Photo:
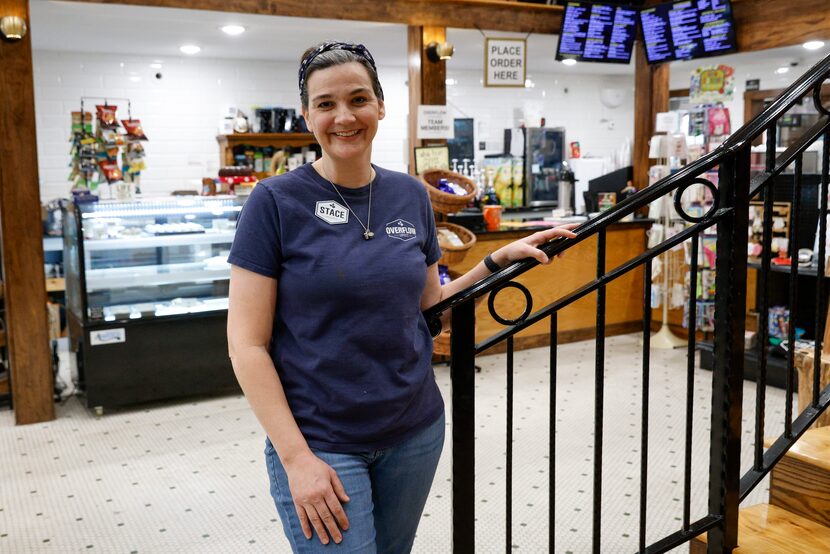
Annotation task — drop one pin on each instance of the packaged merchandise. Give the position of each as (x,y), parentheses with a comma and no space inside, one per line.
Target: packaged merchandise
(111,171)
(107,118)
(134,129)
(81,124)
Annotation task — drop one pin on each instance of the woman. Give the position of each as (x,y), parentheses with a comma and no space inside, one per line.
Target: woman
(338,370)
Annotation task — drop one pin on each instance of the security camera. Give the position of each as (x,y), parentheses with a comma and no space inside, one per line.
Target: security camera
(158,75)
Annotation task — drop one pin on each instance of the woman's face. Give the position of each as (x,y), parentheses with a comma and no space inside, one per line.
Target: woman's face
(343,111)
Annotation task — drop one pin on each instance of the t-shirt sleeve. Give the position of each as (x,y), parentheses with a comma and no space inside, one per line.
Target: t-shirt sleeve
(432,250)
(256,245)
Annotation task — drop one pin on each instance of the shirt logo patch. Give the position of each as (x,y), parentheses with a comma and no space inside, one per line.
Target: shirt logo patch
(331,212)
(400,229)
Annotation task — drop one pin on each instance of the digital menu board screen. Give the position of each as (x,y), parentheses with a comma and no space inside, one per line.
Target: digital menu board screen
(597,33)
(688,29)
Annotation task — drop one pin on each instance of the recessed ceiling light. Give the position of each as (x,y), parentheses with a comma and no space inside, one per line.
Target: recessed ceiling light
(156,66)
(569,61)
(190,49)
(135,79)
(233,30)
(451,82)
(813,44)
(783,69)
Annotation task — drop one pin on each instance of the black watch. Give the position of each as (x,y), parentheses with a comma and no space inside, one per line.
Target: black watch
(491,264)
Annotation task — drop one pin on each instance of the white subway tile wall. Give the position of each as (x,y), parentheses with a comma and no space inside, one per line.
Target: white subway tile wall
(566,101)
(180,112)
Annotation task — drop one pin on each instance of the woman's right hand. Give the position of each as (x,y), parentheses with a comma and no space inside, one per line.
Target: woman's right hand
(317,493)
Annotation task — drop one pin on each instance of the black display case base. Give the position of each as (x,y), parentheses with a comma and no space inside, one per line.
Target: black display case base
(158,359)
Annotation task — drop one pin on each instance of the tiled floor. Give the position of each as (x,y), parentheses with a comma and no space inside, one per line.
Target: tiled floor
(190,477)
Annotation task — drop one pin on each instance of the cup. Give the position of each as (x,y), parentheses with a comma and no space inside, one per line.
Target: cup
(492,217)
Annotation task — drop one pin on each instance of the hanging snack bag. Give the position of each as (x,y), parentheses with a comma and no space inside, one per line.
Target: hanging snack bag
(81,124)
(111,171)
(134,129)
(107,118)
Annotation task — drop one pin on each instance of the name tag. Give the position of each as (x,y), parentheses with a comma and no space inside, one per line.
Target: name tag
(331,212)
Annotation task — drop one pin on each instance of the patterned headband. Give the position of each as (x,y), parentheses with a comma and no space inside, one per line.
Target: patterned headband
(358,49)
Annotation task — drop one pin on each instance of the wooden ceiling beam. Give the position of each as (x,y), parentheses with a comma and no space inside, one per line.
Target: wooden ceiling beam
(497,15)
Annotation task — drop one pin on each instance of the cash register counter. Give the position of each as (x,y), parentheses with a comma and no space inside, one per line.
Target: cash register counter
(624,298)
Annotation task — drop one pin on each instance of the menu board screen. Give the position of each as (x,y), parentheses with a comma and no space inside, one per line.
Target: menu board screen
(597,32)
(688,29)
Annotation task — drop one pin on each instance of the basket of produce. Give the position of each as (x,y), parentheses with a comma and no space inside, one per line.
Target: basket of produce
(448,191)
(454,241)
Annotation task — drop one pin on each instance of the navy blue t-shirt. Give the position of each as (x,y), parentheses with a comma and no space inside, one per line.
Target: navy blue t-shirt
(350,344)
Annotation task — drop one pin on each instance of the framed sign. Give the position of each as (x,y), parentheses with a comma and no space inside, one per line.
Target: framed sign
(434,122)
(505,62)
(432,157)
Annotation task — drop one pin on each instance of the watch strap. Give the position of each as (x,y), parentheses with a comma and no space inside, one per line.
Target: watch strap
(491,264)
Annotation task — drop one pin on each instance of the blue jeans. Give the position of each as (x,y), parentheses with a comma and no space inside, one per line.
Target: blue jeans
(387,490)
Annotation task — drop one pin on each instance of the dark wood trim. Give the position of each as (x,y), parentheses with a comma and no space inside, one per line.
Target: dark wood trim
(764,24)
(679,93)
(497,15)
(651,85)
(21,240)
(427,81)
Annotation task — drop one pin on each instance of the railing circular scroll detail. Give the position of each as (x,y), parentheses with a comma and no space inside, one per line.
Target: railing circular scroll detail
(491,303)
(817,98)
(434,325)
(678,195)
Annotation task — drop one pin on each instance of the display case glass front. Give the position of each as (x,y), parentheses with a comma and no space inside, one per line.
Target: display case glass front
(149,258)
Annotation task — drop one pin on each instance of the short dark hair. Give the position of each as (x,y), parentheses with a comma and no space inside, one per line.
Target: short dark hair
(331,57)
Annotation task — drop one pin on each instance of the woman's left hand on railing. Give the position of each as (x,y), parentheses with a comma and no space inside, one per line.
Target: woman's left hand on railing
(527,247)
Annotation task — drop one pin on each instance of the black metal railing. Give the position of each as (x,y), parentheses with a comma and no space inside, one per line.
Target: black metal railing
(736,185)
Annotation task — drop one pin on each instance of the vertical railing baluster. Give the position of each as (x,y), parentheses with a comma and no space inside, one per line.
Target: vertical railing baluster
(793,300)
(554,342)
(727,374)
(690,383)
(508,509)
(771,140)
(462,376)
(644,421)
(822,242)
(763,324)
(599,393)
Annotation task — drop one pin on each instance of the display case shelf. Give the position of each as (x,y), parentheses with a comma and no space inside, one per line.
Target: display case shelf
(159,241)
(154,275)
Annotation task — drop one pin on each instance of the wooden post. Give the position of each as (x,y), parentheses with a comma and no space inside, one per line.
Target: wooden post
(651,96)
(427,80)
(21,231)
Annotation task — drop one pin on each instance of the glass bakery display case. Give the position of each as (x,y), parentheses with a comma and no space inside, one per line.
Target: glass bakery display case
(147,296)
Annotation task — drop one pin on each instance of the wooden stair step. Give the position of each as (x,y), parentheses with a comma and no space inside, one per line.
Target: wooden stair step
(800,482)
(768,529)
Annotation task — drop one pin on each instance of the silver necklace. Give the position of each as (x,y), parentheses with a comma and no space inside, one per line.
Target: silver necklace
(367,234)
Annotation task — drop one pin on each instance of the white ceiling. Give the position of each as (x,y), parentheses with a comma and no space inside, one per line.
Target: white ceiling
(138,30)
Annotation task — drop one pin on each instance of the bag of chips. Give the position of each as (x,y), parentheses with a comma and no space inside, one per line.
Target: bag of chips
(134,129)
(111,171)
(107,118)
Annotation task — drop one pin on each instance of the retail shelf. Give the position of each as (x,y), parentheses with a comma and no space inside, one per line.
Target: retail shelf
(809,271)
(153,275)
(159,241)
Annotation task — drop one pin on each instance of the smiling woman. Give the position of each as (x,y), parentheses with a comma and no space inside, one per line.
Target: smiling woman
(337,367)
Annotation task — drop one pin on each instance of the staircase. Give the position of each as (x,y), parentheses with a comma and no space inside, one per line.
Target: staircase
(797,518)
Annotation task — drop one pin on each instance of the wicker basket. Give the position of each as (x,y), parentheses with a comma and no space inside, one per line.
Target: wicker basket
(455,254)
(444,202)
